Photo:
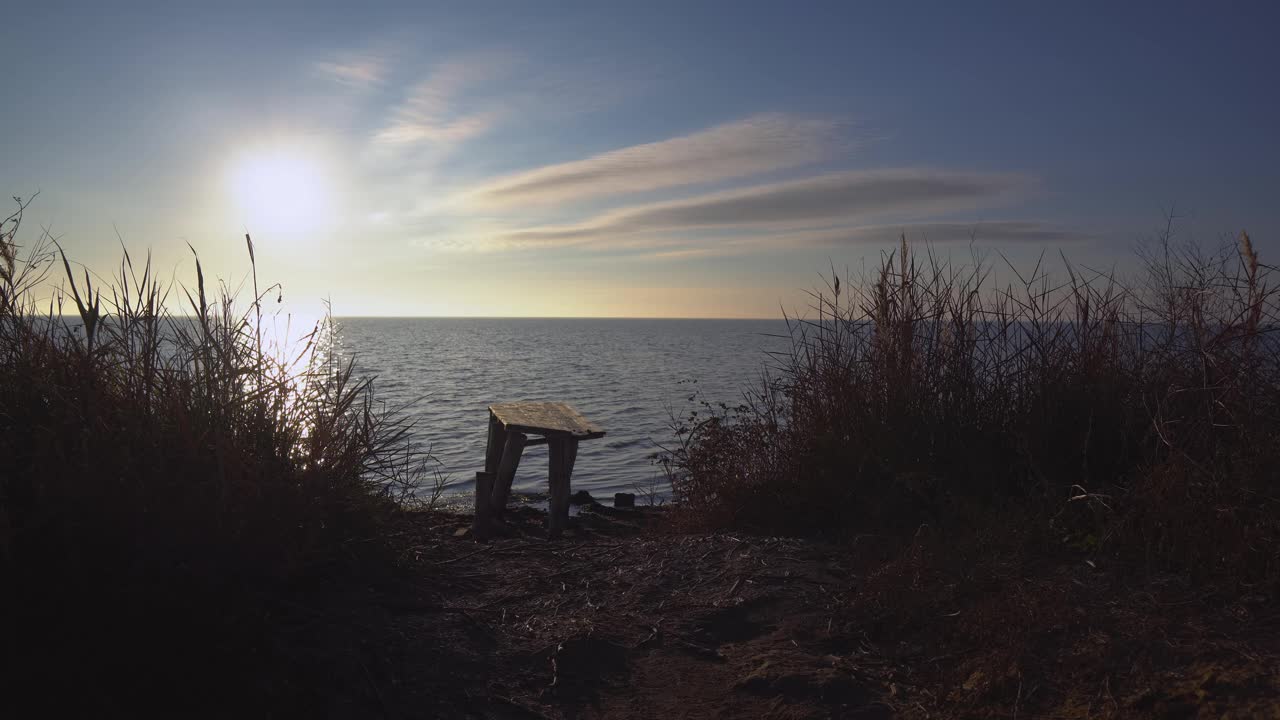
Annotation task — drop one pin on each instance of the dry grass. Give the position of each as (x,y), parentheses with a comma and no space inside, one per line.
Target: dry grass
(1107,415)
(168,480)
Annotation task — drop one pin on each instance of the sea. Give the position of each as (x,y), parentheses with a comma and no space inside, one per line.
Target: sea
(630,376)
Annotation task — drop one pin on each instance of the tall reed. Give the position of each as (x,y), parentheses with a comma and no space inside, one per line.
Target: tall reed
(1137,414)
(166,475)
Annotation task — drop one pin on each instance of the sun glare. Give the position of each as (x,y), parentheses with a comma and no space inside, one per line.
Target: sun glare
(280,192)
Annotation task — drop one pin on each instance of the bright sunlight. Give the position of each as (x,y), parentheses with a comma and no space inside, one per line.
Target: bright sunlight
(280,191)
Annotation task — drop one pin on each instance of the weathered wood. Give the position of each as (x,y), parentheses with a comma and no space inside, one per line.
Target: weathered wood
(482,523)
(511,452)
(570,456)
(497,440)
(557,469)
(561,428)
(544,418)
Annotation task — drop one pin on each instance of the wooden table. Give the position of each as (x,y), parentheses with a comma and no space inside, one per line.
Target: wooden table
(561,428)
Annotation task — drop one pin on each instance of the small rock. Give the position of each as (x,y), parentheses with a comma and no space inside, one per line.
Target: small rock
(582,497)
(624,500)
(461,532)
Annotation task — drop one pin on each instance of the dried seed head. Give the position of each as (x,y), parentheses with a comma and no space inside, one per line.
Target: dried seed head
(1246,251)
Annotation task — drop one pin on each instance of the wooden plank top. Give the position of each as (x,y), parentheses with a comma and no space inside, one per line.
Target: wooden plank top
(545,418)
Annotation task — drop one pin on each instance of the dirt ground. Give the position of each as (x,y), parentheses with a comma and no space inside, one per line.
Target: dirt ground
(626,618)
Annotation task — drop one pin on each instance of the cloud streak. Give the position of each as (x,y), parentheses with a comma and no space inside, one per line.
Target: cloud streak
(361,71)
(432,109)
(997,232)
(840,197)
(752,146)
(1004,232)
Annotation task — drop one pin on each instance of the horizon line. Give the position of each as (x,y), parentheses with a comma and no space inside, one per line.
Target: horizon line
(486,317)
(542,317)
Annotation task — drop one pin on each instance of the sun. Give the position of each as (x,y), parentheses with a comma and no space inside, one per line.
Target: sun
(280,191)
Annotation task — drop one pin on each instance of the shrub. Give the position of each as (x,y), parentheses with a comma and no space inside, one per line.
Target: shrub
(1110,414)
(167,479)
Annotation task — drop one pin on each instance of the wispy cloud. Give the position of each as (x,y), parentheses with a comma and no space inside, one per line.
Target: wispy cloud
(437,130)
(1004,232)
(435,110)
(986,232)
(356,70)
(841,197)
(752,146)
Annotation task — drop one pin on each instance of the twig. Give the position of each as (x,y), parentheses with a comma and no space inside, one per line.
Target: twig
(464,557)
(734,589)
(521,706)
(374,686)
(1017,699)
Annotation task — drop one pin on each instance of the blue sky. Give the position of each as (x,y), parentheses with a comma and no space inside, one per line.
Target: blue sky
(647,159)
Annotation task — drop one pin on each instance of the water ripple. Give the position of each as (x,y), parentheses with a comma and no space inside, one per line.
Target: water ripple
(626,375)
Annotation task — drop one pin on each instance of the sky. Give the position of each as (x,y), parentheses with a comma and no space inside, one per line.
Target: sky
(649,159)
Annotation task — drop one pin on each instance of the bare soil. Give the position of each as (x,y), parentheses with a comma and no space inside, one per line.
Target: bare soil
(627,618)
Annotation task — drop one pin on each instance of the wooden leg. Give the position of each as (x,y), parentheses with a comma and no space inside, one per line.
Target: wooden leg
(558,513)
(511,452)
(571,456)
(482,523)
(497,440)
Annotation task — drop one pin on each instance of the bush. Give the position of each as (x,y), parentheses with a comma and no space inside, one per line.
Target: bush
(1139,415)
(167,480)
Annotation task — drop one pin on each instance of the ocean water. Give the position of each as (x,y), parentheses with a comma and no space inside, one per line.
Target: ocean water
(625,375)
